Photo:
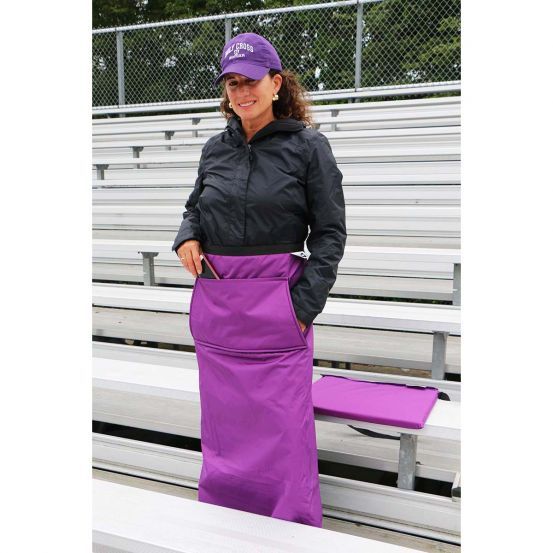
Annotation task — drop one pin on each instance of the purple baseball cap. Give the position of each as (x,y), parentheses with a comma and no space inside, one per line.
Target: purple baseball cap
(248,54)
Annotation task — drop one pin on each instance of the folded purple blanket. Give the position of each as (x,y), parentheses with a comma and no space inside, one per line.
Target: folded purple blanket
(382,403)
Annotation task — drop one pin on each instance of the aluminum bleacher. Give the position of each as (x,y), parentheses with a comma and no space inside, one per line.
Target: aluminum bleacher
(394,309)
(123,515)
(157,390)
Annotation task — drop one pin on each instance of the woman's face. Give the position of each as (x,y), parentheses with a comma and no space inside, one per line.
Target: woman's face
(242,90)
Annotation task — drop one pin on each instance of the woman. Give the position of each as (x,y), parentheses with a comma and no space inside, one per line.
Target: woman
(261,183)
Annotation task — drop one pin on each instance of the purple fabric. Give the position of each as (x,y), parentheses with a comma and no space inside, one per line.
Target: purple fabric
(378,402)
(255,373)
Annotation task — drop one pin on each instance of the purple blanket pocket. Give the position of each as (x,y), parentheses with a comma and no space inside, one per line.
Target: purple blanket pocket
(382,403)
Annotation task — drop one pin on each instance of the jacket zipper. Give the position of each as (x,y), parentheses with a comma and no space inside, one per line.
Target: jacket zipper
(247,183)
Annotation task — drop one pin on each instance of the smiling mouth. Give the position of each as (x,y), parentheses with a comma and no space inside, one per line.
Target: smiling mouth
(247,104)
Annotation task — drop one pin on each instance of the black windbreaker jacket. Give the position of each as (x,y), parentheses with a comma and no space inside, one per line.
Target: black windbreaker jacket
(259,198)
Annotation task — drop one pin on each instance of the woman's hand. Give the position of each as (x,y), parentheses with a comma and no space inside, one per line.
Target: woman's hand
(189,253)
(302,324)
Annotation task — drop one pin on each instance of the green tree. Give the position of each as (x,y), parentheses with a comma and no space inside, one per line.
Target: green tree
(404,41)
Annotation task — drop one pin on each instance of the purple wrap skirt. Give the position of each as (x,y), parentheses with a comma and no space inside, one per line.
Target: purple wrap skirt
(255,373)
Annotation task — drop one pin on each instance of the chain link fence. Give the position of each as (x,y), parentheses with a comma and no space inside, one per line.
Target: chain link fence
(335,46)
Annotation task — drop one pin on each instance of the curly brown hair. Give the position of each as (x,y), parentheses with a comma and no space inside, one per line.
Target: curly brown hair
(292,99)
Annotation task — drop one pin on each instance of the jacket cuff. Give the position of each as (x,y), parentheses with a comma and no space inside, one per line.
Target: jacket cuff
(180,241)
(303,316)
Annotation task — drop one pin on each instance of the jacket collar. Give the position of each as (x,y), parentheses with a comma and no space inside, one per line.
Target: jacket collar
(234,127)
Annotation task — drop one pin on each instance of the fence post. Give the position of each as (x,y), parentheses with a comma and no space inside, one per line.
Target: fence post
(120,70)
(358,46)
(228,28)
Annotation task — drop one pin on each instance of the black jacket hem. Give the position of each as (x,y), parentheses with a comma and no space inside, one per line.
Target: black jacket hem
(261,249)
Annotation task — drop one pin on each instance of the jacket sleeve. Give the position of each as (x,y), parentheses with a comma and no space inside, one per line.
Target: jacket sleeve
(190,224)
(327,237)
